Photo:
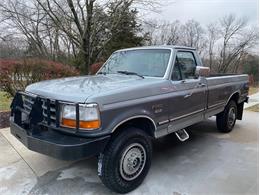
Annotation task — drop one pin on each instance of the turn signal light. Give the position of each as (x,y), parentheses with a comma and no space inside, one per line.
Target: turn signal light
(88,125)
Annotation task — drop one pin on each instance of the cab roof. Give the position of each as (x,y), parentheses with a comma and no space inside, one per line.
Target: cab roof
(160,47)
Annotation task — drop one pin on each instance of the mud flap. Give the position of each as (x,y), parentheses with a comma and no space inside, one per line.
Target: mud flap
(240,110)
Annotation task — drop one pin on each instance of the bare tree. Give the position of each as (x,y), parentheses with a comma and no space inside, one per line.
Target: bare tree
(236,39)
(11,46)
(84,22)
(192,35)
(21,17)
(163,32)
(27,19)
(170,33)
(212,37)
(80,28)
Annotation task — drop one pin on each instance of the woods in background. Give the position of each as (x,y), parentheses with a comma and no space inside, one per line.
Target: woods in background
(223,45)
(80,32)
(85,32)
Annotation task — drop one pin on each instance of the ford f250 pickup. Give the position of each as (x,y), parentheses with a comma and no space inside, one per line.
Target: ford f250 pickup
(139,94)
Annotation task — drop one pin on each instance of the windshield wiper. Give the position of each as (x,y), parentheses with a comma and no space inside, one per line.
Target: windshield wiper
(130,73)
(101,72)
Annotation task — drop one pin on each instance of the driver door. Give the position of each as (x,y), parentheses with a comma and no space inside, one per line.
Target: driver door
(188,98)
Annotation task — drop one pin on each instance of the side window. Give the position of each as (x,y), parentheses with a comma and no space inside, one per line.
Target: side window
(187,64)
(176,73)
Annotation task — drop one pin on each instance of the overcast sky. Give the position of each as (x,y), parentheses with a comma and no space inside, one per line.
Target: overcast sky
(207,11)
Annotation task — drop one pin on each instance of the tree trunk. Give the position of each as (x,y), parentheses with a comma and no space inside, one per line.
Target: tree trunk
(85,56)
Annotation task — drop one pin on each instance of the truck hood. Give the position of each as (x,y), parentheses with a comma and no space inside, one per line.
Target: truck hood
(79,89)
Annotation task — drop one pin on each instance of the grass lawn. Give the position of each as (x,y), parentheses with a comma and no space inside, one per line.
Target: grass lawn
(254,108)
(4,102)
(253,90)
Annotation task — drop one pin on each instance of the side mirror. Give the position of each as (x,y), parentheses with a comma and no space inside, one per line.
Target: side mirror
(202,71)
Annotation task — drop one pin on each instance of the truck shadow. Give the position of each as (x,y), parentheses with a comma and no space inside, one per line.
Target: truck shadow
(197,133)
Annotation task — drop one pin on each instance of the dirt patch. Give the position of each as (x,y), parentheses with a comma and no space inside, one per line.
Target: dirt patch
(253,90)
(254,108)
(4,119)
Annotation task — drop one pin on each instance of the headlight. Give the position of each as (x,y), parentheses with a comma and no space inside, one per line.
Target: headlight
(88,116)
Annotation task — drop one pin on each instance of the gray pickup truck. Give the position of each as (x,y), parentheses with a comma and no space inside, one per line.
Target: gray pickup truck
(139,94)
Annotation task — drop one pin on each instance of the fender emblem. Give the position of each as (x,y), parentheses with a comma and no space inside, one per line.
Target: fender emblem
(158,108)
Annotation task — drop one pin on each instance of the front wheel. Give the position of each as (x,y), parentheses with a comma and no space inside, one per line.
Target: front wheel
(126,161)
(226,120)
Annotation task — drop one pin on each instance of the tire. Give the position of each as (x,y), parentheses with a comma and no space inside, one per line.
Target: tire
(226,120)
(112,168)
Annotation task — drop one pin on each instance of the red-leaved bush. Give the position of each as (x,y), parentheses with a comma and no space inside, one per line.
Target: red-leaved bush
(95,67)
(17,74)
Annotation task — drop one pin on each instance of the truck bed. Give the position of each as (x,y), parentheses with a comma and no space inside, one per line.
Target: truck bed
(222,86)
(223,74)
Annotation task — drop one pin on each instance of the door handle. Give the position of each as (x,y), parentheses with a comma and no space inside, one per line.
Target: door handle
(187,95)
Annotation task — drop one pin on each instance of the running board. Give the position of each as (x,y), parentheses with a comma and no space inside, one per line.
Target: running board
(182,135)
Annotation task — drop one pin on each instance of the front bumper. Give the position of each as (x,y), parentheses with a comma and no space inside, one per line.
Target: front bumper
(58,145)
(41,133)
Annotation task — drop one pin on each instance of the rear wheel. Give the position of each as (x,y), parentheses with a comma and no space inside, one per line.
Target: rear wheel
(126,161)
(226,120)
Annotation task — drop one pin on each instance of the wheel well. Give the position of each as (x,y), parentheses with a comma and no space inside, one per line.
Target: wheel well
(235,97)
(142,123)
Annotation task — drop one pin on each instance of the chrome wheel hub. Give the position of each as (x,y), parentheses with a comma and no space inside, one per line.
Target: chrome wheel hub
(231,117)
(132,161)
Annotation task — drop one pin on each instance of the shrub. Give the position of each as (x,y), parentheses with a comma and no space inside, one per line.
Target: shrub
(17,74)
(95,67)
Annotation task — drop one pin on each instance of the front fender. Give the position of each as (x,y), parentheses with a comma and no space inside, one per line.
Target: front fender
(113,118)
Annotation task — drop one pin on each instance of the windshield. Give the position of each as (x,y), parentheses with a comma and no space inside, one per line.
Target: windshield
(144,62)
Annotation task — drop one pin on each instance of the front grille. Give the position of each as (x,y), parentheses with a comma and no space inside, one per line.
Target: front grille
(28,102)
(48,114)
(29,109)
(49,111)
